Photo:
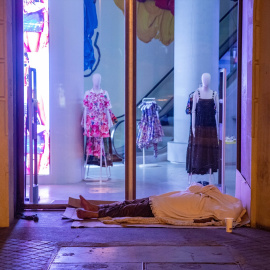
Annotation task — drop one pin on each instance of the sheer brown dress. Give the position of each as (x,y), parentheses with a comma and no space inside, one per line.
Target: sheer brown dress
(203,150)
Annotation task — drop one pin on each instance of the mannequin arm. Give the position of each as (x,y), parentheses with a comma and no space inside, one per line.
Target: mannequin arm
(217,113)
(195,100)
(85,100)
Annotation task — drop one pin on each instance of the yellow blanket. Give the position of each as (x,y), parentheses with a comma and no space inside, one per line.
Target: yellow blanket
(197,202)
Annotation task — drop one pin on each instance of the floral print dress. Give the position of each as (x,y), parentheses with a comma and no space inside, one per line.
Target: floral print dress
(97,120)
(149,128)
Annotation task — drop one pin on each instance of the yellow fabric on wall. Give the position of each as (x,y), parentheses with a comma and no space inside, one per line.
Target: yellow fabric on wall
(152,22)
(166,29)
(120,4)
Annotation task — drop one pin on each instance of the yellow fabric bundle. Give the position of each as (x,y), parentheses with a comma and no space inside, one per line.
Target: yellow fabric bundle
(152,22)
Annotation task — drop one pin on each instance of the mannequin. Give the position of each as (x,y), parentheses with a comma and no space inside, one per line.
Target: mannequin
(97,122)
(203,141)
(205,93)
(96,82)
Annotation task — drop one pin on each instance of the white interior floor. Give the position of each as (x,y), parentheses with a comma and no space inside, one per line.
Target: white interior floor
(164,177)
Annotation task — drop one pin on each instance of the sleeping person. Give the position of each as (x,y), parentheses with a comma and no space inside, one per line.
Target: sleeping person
(198,204)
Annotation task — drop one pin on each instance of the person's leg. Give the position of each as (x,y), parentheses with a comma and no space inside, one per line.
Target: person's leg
(84,214)
(87,205)
(135,208)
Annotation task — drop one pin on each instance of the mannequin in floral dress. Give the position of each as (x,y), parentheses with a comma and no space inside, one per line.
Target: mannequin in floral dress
(97,120)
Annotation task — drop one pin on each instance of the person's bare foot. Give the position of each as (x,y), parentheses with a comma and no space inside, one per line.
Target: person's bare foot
(87,205)
(86,214)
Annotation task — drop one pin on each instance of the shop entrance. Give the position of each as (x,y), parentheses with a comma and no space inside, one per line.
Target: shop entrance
(74,98)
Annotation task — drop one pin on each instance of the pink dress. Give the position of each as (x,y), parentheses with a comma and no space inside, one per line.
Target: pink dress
(97,119)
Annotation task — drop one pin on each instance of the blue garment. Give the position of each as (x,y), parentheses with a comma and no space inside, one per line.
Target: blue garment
(90,24)
(33,22)
(149,128)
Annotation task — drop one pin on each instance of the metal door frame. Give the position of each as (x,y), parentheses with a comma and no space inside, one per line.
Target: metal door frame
(130,101)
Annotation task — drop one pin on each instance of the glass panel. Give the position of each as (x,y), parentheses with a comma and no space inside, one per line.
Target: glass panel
(83,95)
(36,95)
(155,99)
(228,60)
(169,71)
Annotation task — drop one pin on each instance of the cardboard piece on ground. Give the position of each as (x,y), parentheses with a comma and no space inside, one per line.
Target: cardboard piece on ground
(94,223)
(98,224)
(70,213)
(72,202)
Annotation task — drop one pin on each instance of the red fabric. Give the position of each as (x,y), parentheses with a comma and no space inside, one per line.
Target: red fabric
(165,4)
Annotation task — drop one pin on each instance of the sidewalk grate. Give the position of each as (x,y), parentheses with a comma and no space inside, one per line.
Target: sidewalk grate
(25,254)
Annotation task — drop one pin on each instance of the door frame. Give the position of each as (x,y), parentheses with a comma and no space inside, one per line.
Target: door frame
(130,102)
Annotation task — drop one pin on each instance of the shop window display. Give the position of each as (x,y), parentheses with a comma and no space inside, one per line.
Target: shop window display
(82,130)
(36,40)
(97,121)
(203,150)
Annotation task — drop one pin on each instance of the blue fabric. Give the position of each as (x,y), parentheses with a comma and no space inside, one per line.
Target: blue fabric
(33,22)
(90,24)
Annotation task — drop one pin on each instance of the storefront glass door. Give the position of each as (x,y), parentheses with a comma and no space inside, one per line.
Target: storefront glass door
(182,47)
(74,98)
(78,64)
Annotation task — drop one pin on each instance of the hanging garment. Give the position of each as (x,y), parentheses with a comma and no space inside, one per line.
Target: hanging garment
(152,21)
(150,130)
(92,150)
(90,24)
(189,111)
(33,16)
(203,149)
(113,117)
(97,120)
(165,4)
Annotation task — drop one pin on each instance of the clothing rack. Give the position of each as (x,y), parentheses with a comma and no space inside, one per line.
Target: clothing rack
(150,100)
(147,100)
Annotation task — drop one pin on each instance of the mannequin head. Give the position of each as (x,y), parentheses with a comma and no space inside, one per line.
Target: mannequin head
(206,79)
(96,81)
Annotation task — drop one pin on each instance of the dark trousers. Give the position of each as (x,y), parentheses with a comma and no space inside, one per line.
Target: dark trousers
(135,208)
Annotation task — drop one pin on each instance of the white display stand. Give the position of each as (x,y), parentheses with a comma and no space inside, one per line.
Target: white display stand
(143,165)
(100,177)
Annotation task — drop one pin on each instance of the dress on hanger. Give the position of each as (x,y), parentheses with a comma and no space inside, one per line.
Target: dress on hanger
(189,111)
(203,150)
(149,128)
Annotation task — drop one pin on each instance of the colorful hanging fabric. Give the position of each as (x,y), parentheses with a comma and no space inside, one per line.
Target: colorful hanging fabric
(97,120)
(152,21)
(90,24)
(150,131)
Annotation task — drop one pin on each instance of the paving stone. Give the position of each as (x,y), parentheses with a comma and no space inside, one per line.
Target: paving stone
(217,254)
(25,254)
(178,266)
(97,266)
(250,247)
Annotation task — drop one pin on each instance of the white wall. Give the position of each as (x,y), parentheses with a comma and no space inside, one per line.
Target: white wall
(154,59)
(66,68)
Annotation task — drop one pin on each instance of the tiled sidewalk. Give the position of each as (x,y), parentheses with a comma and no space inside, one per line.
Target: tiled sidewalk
(29,245)
(25,254)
